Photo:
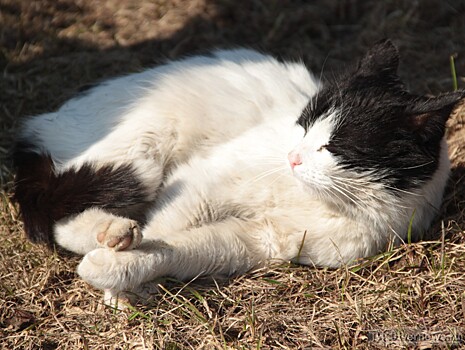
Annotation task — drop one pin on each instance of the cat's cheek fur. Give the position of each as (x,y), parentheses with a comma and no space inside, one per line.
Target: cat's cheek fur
(432,192)
(317,164)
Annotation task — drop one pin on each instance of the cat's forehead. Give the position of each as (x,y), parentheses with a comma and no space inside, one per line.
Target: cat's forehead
(319,133)
(368,90)
(358,100)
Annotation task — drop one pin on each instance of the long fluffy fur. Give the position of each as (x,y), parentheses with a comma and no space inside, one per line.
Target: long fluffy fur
(204,141)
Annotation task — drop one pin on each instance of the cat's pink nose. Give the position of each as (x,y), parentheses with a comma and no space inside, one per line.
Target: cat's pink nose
(294,159)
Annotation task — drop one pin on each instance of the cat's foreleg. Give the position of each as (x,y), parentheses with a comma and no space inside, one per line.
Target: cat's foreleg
(226,248)
(95,228)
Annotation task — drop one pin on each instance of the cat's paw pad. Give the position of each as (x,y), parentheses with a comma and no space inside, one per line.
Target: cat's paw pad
(118,234)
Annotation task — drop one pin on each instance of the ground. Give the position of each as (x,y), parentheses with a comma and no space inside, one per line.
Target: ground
(414,295)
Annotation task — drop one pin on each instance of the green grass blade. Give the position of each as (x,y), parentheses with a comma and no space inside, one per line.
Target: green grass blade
(409,231)
(453,72)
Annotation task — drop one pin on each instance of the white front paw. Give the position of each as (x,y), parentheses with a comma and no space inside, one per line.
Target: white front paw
(118,233)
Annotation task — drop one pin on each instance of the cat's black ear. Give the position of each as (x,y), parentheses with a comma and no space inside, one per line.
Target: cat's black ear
(381,59)
(429,115)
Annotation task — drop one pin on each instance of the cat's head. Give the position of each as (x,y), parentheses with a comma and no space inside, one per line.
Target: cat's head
(365,132)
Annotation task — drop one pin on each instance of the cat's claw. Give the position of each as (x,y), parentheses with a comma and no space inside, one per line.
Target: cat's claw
(118,234)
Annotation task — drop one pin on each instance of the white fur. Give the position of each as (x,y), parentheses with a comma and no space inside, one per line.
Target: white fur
(214,133)
(79,233)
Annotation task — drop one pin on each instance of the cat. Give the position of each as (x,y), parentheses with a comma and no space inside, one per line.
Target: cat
(216,164)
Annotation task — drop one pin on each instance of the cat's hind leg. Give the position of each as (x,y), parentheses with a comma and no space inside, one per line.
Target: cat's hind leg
(222,248)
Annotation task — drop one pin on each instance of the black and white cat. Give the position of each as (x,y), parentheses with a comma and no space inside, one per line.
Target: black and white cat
(216,164)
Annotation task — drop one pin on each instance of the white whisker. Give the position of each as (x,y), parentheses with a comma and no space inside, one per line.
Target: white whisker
(276,179)
(319,81)
(343,192)
(416,166)
(264,163)
(402,191)
(329,193)
(265,174)
(356,188)
(369,194)
(365,183)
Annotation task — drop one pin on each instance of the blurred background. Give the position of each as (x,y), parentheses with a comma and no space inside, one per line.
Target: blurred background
(49,48)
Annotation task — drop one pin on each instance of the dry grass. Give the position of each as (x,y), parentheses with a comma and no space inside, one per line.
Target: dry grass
(49,48)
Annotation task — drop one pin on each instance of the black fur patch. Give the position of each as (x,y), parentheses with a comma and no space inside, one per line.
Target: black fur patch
(382,128)
(45,197)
